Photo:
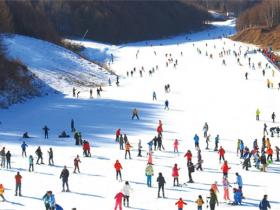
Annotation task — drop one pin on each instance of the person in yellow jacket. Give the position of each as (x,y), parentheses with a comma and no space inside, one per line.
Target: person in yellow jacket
(127,149)
(2,189)
(258,114)
(199,202)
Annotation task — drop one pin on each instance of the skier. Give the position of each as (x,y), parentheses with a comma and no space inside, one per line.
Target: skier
(50,152)
(23,149)
(265,129)
(273,116)
(264,204)
(246,75)
(226,188)
(237,196)
(118,133)
(149,171)
(199,161)
(239,182)
(118,168)
(217,139)
(213,200)
(121,141)
(18,178)
(31,163)
(119,196)
(46,131)
(135,114)
(74,92)
(76,164)
(215,188)
(139,148)
(3,157)
(39,154)
(161,182)
(199,202)
(258,115)
(90,93)
(154,96)
(8,158)
(166,105)
(175,175)
(159,128)
(180,204)
(2,190)
(221,154)
(277,150)
(207,141)
(190,171)
(64,176)
(45,198)
(176,143)
(126,190)
(189,156)
(127,149)
(225,169)
(150,158)
(196,141)
(205,129)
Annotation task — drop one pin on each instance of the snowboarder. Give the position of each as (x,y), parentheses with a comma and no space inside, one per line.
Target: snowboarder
(39,154)
(149,171)
(18,178)
(31,163)
(46,131)
(23,149)
(135,114)
(76,164)
(50,152)
(126,190)
(118,168)
(180,204)
(264,204)
(119,196)
(65,176)
(175,175)
(161,182)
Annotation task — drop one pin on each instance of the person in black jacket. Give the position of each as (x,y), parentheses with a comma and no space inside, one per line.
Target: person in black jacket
(64,176)
(264,204)
(161,182)
(39,154)
(46,131)
(8,158)
(190,171)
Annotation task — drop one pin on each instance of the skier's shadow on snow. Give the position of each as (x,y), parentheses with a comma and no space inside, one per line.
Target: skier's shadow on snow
(22,169)
(137,208)
(100,157)
(274,202)
(86,194)
(30,197)
(14,203)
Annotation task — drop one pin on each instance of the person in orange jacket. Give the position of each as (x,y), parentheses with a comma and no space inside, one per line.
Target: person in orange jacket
(2,190)
(225,168)
(269,153)
(119,196)
(180,204)
(118,168)
(127,149)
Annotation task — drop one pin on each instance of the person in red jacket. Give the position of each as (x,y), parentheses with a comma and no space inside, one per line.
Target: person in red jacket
(221,153)
(189,156)
(86,149)
(175,174)
(119,196)
(118,133)
(180,204)
(176,144)
(159,128)
(118,168)
(76,164)
(18,178)
(225,169)
(269,153)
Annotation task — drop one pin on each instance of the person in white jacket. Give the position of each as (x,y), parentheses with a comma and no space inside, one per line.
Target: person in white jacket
(126,190)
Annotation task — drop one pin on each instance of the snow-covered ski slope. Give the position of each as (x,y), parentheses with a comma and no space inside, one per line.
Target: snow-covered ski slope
(202,90)
(58,67)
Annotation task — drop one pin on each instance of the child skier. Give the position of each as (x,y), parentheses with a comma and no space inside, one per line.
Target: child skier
(180,204)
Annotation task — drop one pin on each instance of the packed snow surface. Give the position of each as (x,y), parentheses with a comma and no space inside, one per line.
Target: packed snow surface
(202,90)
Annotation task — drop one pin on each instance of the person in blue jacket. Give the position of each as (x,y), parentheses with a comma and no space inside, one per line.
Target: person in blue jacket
(23,148)
(51,200)
(264,204)
(58,207)
(196,141)
(239,182)
(237,196)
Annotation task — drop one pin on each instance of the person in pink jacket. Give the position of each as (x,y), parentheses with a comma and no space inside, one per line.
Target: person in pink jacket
(175,174)
(176,143)
(150,158)
(119,196)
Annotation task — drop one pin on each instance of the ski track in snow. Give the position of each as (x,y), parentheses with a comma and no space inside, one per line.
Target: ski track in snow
(202,89)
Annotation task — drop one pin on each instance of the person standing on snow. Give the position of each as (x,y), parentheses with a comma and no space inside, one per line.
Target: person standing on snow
(73,125)
(205,129)
(226,189)
(199,202)
(159,128)
(118,168)
(166,105)
(189,156)
(180,204)
(196,141)
(221,154)
(126,190)
(18,178)
(161,183)
(8,158)
(239,182)
(139,149)
(119,196)
(154,96)
(273,116)
(217,140)
(265,129)
(45,198)
(176,144)
(199,161)
(65,176)
(225,168)
(76,164)
(207,141)
(213,200)
(264,204)
(190,171)
(135,114)
(3,157)
(258,115)
(127,150)
(149,171)
(31,163)
(46,131)
(175,175)
(39,154)
(23,149)
(2,190)
(50,152)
